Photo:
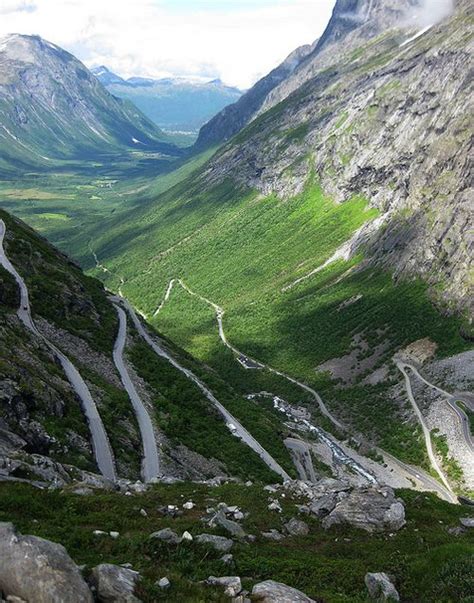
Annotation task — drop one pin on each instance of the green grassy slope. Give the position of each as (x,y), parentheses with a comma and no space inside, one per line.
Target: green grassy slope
(426,562)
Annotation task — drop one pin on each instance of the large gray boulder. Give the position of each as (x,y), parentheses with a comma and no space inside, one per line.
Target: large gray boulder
(114,584)
(220,543)
(38,570)
(234,529)
(296,527)
(368,508)
(380,587)
(166,535)
(276,592)
(231,584)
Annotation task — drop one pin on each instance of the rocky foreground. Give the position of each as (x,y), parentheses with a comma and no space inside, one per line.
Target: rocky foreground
(186,542)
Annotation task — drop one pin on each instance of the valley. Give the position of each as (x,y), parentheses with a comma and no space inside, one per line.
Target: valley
(261,342)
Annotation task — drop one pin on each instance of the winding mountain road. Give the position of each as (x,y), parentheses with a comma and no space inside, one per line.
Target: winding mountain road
(244,435)
(402,366)
(244,358)
(451,400)
(151,461)
(100,442)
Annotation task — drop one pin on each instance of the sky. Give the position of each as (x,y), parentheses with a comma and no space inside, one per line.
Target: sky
(237,41)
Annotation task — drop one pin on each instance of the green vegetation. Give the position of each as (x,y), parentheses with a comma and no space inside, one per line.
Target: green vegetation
(428,564)
(450,465)
(187,417)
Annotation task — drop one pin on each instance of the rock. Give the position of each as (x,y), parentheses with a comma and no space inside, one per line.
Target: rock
(381,588)
(166,535)
(114,584)
(371,509)
(467,522)
(220,543)
(187,536)
(273,535)
(238,515)
(276,592)
(164,583)
(324,505)
(82,491)
(38,570)
(143,513)
(13,599)
(114,535)
(230,526)
(296,527)
(231,584)
(249,483)
(99,533)
(188,506)
(227,559)
(275,506)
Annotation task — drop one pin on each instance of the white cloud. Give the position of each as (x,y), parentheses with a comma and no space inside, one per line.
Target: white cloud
(237,41)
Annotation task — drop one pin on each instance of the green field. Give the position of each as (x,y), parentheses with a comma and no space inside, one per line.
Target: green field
(426,562)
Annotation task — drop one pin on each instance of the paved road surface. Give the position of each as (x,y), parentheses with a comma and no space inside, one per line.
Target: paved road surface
(244,435)
(100,443)
(151,462)
(402,366)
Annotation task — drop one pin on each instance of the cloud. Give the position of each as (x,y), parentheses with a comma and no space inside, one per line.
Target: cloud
(14,6)
(236,41)
(429,12)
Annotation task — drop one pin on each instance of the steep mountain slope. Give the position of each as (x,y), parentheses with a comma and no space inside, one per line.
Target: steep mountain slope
(69,348)
(353,23)
(177,105)
(234,117)
(310,230)
(52,108)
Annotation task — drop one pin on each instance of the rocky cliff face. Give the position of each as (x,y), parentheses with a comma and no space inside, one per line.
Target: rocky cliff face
(388,120)
(52,107)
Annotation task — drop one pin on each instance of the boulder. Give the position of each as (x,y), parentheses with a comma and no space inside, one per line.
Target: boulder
(381,588)
(231,584)
(234,529)
(38,570)
(220,543)
(368,508)
(296,527)
(276,592)
(273,535)
(164,583)
(114,584)
(166,535)
(467,522)
(324,505)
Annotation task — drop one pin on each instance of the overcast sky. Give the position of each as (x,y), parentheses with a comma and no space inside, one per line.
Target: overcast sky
(236,40)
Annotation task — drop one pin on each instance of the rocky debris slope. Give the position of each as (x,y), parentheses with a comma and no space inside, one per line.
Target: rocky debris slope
(388,122)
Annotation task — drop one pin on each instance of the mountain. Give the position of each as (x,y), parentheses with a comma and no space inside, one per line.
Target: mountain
(234,117)
(352,23)
(177,105)
(51,107)
(105,76)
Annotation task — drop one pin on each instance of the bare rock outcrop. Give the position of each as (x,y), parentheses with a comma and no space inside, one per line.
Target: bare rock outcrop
(38,570)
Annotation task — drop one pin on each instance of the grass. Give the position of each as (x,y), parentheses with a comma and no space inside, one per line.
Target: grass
(427,563)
